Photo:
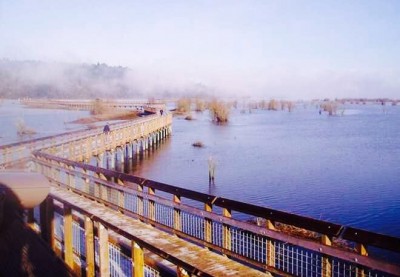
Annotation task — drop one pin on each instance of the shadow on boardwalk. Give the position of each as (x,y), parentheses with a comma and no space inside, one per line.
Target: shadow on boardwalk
(22,251)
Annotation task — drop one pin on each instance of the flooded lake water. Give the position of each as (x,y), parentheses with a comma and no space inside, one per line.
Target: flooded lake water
(45,122)
(344,169)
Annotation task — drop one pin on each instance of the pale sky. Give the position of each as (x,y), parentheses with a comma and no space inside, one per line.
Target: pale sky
(286,49)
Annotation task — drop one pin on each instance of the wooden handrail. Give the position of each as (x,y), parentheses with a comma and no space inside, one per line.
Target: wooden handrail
(322,227)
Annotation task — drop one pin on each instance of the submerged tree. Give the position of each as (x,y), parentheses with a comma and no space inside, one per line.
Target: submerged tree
(273,105)
(200,105)
(183,105)
(330,106)
(22,129)
(219,111)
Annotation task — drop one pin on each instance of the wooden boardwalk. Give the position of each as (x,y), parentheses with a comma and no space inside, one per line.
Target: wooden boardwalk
(203,261)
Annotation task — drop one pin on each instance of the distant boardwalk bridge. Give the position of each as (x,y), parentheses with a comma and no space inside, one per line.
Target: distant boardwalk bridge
(88,105)
(107,223)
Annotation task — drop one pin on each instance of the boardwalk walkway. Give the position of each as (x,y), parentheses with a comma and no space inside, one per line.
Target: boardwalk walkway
(202,261)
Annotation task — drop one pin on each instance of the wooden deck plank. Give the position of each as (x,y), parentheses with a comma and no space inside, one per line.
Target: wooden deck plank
(204,260)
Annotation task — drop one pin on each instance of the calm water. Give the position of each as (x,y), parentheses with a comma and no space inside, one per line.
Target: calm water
(45,122)
(344,169)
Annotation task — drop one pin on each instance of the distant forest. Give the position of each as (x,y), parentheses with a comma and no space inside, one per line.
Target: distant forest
(34,79)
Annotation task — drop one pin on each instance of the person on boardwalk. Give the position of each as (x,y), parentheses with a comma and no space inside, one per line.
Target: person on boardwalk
(106,129)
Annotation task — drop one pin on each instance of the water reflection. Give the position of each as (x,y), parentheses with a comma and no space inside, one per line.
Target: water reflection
(343,169)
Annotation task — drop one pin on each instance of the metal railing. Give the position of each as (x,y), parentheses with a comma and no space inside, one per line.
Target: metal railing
(266,247)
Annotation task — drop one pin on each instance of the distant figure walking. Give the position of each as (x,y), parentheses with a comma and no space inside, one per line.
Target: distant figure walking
(106,129)
(161,112)
(211,169)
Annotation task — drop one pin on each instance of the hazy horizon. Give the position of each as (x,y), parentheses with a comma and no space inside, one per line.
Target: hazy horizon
(271,49)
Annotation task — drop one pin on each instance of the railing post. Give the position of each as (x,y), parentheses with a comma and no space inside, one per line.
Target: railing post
(138,260)
(46,221)
(177,214)
(181,272)
(362,250)
(112,160)
(71,150)
(226,232)
(103,251)
(87,181)
(103,147)
(102,190)
(80,147)
(139,200)
(89,243)
(88,148)
(97,187)
(151,208)
(326,264)
(138,147)
(208,224)
(71,178)
(121,197)
(68,237)
(270,245)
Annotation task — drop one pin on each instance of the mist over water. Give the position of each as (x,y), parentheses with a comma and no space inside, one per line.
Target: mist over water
(344,169)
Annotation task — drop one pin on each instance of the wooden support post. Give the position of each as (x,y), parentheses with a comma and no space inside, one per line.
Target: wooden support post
(71,151)
(81,144)
(140,201)
(226,239)
(138,260)
(362,250)
(87,181)
(99,161)
(122,154)
(89,143)
(151,208)
(71,178)
(326,264)
(181,272)
(68,236)
(138,147)
(103,138)
(270,245)
(103,251)
(131,150)
(46,221)
(177,214)
(208,224)
(112,162)
(89,243)
(121,196)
